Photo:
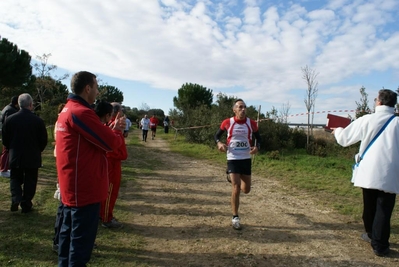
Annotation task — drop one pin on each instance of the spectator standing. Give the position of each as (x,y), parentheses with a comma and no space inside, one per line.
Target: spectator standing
(239,148)
(115,175)
(81,146)
(128,125)
(377,170)
(153,125)
(4,159)
(145,126)
(59,217)
(9,109)
(25,136)
(166,124)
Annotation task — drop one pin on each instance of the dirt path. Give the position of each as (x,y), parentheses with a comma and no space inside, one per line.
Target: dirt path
(183,213)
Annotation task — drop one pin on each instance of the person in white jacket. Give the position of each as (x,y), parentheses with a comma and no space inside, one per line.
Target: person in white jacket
(378,171)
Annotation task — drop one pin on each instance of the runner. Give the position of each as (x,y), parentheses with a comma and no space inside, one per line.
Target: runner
(153,125)
(145,124)
(239,150)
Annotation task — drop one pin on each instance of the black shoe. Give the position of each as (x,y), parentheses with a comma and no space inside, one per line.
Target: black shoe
(382,253)
(26,210)
(14,207)
(112,224)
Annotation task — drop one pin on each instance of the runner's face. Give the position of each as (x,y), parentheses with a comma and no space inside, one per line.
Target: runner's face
(239,110)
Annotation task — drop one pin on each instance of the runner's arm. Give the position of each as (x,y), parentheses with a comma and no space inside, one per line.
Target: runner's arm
(218,135)
(257,137)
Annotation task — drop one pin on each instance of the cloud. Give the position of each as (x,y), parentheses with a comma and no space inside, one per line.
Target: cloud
(256,46)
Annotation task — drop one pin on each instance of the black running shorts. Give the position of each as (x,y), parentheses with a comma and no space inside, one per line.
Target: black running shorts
(241,166)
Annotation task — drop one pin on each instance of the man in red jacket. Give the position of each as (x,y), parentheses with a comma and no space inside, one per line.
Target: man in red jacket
(115,175)
(81,146)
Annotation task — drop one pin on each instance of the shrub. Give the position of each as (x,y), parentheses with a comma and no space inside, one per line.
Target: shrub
(275,155)
(298,138)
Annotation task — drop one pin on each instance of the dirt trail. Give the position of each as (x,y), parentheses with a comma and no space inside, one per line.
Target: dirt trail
(183,213)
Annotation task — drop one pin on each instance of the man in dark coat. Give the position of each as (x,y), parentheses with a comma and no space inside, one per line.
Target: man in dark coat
(7,111)
(25,136)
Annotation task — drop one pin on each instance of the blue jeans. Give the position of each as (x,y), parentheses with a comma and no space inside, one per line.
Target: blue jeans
(77,235)
(58,223)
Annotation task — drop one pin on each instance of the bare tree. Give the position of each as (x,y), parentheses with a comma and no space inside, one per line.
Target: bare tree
(310,75)
(284,112)
(144,107)
(45,81)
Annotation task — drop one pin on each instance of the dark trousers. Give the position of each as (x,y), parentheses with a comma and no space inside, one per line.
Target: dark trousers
(23,183)
(145,132)
(58,223)
(166,129)
(77,235)
(377,211)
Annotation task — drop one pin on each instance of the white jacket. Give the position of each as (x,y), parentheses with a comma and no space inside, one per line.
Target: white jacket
(379,168)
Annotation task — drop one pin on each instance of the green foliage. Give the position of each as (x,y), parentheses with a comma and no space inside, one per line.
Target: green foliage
(318,147)
(15,70)
(49,91)
(191,96)
(274,136)
(49,88)
(157,112)
(131,113)
(48,113)
(298,138)
(201,116)
(224,101)
(274,155)
(110,93)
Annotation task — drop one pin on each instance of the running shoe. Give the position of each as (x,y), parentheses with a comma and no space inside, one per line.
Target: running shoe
(235,222)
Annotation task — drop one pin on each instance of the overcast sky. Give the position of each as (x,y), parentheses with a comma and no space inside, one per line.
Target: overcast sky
(251,49)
